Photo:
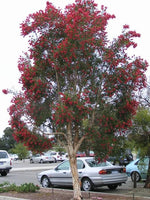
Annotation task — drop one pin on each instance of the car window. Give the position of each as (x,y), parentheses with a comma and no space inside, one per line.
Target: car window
(80,164)
(136,163)
(37,155)
(3,155)
(144,161)
(46,154)
(143,164)
(61,153)
(94,163)
(53,153)
(64,166)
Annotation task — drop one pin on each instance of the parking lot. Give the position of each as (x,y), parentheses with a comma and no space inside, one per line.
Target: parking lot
(24,172)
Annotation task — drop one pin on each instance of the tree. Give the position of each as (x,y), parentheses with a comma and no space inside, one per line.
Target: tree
(7,142)
(21,151)
(76,84)
(140,136)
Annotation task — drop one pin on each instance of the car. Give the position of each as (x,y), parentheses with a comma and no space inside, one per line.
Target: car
(91,174)
(91,153)
(14,156)
(42,158)
(138,169)
(80,154)
(123,159)
(5,163)
(58,156)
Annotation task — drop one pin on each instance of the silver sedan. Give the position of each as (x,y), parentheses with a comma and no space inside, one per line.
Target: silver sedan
(42,158)
(91,174)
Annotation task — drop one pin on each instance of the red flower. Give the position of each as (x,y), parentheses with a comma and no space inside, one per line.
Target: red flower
(126,26)
(5,91)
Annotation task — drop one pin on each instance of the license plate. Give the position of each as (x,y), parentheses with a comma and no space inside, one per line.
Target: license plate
(1,163)
(114,172)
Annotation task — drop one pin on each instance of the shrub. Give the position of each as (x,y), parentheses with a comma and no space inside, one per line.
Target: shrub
(26,187)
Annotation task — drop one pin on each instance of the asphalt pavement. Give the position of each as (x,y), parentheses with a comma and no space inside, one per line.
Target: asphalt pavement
(25,165)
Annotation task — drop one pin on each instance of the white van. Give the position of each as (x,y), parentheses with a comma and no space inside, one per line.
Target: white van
(58,156)
(5,163)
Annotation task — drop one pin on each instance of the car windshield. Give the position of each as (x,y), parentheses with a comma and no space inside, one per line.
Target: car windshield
(95,163)
(3,155)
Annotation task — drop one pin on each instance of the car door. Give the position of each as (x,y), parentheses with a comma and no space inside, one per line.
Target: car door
(143,167)
(81,168)
(62,175)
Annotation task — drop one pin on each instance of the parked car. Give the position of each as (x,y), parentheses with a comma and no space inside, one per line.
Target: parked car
(14,156)
(58,156)
(5,163)
(122,160)
(42,158)
(80,154)
(91,153)
(91,174)
(138,169)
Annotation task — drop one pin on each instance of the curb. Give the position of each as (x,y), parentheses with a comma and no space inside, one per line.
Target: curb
(10,198)
(31,168)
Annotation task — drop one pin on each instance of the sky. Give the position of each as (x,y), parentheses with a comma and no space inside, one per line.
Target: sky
(134,13)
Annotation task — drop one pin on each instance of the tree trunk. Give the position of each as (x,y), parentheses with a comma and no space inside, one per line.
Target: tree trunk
(75,178)
(147,183)
(73,164)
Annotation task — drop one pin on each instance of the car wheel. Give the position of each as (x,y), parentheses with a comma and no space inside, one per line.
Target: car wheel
(112,187)
(45,182)
(31,161)
(87,184)
(41,161)
(136,176)
(3,173)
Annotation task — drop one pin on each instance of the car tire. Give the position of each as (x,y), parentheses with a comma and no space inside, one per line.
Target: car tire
(45,182)
(113,186)
(4,173)
(41,161)
(87,184)
(31,161)
(135,175)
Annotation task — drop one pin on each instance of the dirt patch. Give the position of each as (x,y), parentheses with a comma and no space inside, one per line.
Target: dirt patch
(57,194)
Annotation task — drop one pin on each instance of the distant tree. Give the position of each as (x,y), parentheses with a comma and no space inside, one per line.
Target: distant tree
(71,74)
(2,145)
(140,136)
(59,148)
(7,141)
(21,151)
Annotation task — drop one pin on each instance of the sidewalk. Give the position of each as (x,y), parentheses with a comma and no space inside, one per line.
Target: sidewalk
(31,168)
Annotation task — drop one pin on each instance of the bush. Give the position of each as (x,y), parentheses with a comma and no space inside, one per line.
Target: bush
(26,187)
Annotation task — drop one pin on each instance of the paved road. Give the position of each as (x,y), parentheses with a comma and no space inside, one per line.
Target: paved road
(24,172)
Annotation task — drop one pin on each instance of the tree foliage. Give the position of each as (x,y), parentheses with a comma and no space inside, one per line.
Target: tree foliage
(140,136)
(73,74)
(7,142)
(21,151)
(141,131)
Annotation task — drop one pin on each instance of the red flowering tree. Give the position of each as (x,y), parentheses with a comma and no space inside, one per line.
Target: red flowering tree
(75,81)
